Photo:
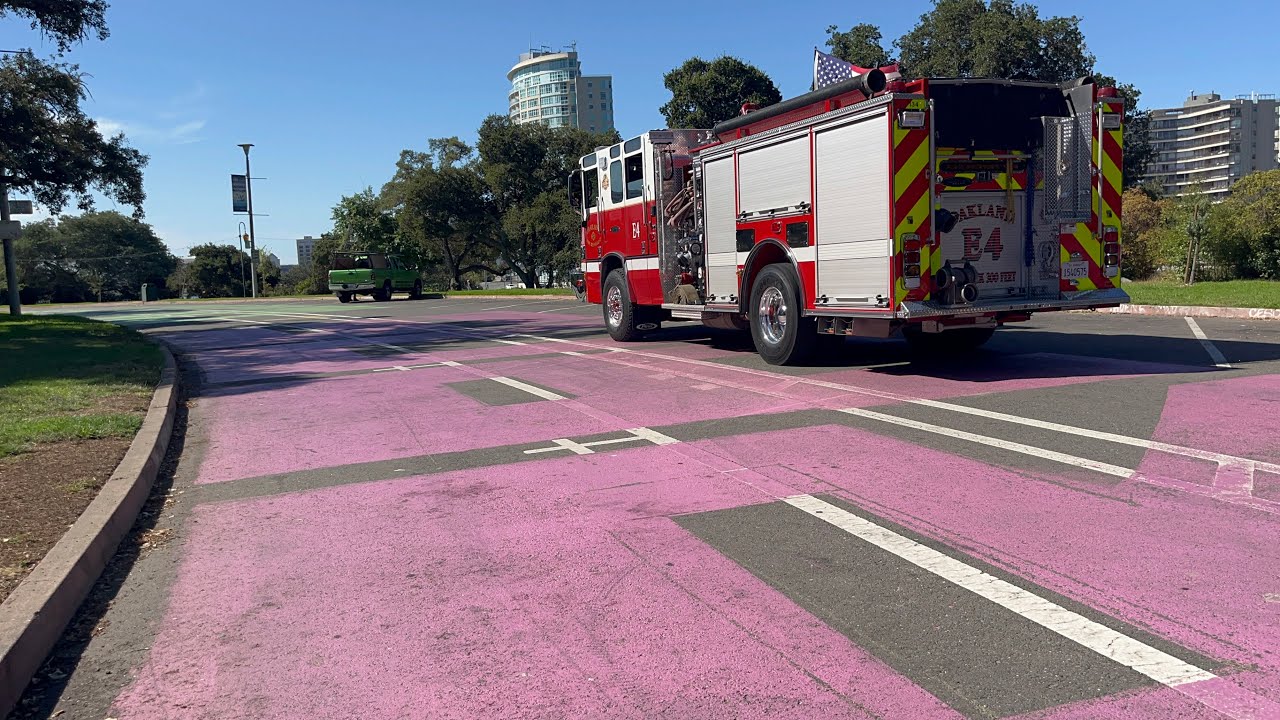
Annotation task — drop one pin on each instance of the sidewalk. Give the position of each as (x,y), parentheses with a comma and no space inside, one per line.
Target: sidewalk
(1197,311)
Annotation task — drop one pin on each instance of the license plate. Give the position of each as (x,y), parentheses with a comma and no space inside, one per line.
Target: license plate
(1077,270)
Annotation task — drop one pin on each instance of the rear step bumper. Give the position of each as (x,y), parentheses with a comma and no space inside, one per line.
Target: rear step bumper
(917,310)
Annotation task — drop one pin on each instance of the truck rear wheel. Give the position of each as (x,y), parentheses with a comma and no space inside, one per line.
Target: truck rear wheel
(781,334)
(344,297)
(621,318)
(947,342)
(383,295)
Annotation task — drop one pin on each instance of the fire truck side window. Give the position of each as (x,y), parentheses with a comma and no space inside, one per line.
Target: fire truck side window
(635,176)
(615,181)
(590,188)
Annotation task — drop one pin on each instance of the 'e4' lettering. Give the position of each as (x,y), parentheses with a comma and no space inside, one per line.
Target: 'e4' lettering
(973,241)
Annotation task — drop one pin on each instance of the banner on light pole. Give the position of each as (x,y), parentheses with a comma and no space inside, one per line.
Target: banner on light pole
(239,194)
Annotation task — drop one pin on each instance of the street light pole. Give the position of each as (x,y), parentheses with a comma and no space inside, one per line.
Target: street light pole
(253,247)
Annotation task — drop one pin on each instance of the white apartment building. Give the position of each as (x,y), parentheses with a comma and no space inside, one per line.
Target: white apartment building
(1210,143)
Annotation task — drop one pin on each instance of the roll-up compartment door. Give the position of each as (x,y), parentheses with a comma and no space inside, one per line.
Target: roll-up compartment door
(851,212)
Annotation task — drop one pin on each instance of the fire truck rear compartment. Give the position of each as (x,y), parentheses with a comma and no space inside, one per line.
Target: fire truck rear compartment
(992,141)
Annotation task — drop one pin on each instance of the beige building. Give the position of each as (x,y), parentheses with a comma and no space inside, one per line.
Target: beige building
(1210,143)
(549,88)
(306,247)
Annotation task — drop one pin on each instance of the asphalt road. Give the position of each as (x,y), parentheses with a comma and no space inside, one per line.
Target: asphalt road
(486,508)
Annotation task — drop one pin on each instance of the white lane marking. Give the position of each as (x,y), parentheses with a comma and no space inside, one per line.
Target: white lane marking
(1219,359)
(531,389)
(890,396)
(406,368)
(571,307)
(637,434)
(653,436)
(571,446)
(1099,435)
(1155,664)
(1064,458)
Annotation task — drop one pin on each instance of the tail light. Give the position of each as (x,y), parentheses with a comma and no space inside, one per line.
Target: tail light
(911,260)
(1110,251)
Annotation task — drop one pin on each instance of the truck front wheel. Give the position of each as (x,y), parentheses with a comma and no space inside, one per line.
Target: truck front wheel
(781,334)
(620,316)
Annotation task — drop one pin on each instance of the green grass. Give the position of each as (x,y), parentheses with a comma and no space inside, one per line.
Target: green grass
(513,291)
(1231,293)
(67,378)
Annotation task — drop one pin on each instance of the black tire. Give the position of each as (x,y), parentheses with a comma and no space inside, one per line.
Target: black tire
(620,316)
(950,342)
(384,295)
(416,293)
(781,335)
(344,297)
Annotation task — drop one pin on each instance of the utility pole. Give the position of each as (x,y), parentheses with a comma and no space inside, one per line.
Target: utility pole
(253,253)
(10,262)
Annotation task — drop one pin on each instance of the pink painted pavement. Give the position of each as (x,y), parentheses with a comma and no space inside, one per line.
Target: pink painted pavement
(547,591)
(1190,569)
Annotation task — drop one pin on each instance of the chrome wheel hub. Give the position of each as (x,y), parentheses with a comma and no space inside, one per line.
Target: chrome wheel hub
(772,315)
(613,306)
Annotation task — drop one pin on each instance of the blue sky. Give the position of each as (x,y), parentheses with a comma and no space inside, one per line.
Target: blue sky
(329,93)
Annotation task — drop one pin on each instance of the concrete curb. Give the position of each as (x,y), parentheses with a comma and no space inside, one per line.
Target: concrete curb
(1197,311)
(34,615)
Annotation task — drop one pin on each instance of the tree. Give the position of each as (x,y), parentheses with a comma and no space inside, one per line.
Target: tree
(1002,39)
(969,38)
(440,198)
(860,45)
(268,271)
(296,279)
(48,146)
(1244,237)
(705,93)
(1146,235)
(322,260)
(51,149)
(364,223)
(527,218)
(96,256)
(66,22)
(214,270)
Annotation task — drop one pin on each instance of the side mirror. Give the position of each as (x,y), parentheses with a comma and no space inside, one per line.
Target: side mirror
(668,164)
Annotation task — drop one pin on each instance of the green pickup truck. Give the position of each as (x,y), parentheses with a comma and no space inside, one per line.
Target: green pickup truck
(371,273)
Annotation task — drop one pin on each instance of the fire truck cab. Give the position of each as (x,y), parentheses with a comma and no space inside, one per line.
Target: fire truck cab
(937,209)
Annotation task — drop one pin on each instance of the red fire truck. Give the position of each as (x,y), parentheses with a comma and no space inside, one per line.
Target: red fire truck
(938,209)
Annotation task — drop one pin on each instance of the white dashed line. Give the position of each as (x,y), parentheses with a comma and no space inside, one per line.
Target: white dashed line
(1219,359)
(896,397)
(1155,664)
(1064,458)
(531,389)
